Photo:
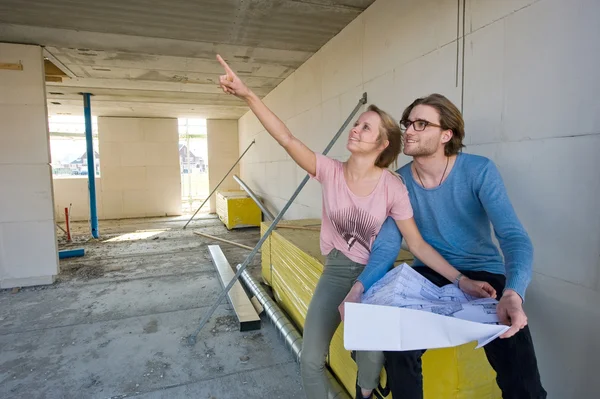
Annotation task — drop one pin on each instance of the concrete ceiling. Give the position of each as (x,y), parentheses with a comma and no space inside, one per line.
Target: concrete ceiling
(157,58)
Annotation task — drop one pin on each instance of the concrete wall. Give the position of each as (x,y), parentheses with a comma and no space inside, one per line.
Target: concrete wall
(75,192)
(28,250)
(140,174)
(530,103)
(140,167)
(222,142)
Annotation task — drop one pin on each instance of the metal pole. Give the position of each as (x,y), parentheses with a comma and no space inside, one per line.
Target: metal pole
(262,206)
(204,320)
(189,169)
(68,224)
(288,331)
(63,230)
(222,180)
(87,111)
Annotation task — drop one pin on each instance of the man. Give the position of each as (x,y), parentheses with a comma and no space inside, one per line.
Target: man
(455,196)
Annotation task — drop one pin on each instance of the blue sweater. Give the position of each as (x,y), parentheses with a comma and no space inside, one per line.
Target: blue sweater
(454,218)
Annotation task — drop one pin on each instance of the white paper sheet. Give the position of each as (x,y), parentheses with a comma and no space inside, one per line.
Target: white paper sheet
(405,311)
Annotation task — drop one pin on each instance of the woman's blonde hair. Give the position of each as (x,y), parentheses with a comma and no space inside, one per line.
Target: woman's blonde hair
(389,130)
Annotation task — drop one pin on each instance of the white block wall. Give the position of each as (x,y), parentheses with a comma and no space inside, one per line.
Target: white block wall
(531,103)
(222,142)
(139,167)
(28,250)
(74,192)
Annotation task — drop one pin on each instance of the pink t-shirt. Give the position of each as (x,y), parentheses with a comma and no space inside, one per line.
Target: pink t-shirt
(351,223)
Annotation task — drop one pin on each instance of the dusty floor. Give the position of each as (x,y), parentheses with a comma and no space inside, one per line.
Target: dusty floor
(114,324)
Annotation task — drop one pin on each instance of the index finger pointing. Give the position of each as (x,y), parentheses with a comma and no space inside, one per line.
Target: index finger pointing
(224,65)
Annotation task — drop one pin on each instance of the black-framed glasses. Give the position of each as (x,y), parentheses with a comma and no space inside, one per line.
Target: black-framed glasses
(419,125)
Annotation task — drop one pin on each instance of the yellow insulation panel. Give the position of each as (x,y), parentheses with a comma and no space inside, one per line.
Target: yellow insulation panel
(291,265)
(265,255)
(236,209)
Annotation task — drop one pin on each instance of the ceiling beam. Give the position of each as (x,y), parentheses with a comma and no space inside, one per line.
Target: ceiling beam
(66,38)
(58,64)
(149,85)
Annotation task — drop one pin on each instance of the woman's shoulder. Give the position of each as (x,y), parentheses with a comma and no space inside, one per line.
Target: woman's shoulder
(326,160)
(393,179)
(328,169)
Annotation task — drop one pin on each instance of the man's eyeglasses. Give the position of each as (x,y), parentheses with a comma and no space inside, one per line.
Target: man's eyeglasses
(419,125)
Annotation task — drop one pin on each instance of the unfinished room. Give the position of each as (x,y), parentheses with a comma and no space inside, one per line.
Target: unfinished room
(298,199)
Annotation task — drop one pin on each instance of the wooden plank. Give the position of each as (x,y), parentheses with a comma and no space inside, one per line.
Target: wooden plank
(11,67)
(237,244)
(292,227)
(244,310)
(257,306)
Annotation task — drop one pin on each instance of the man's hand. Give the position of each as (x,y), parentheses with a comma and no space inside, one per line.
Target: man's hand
(476,288)
(510,312)
(354,295)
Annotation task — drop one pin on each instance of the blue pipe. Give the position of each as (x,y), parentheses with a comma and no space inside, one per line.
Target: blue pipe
(71,253)
(87,111)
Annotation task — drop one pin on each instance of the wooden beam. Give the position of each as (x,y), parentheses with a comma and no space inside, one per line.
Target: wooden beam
(58,63)
(244,310)
(53,79)
(11,67)
(289,226)
(223,240)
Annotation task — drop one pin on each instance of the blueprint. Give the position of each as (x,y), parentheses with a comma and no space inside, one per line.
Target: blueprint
(405,288)
(413,313)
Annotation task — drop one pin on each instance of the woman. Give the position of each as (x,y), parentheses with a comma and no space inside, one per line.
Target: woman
(358,195)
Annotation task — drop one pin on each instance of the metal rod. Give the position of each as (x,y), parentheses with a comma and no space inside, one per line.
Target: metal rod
(63,230)
(262,206)
(87,111)
(204,320)
(291,336)
(189,169)
(222,180)
(68,224)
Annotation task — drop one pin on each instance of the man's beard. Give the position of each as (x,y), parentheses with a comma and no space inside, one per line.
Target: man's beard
(426,150)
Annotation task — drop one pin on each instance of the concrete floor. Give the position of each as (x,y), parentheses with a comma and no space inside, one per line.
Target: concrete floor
(115,322)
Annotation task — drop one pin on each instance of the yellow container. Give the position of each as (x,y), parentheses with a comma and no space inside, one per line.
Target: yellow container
(236,209)
(292,264)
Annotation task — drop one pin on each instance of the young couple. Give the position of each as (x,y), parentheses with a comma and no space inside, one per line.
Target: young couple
(442,206)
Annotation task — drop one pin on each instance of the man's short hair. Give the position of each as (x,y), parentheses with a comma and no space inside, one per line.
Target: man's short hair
(450,119)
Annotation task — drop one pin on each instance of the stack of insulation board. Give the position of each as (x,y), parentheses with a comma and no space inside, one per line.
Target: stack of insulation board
(292,263)
(236,209)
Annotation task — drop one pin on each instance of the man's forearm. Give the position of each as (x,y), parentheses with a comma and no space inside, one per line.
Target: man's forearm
(428,255)
(518,269)
(383,254)
(514,241)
